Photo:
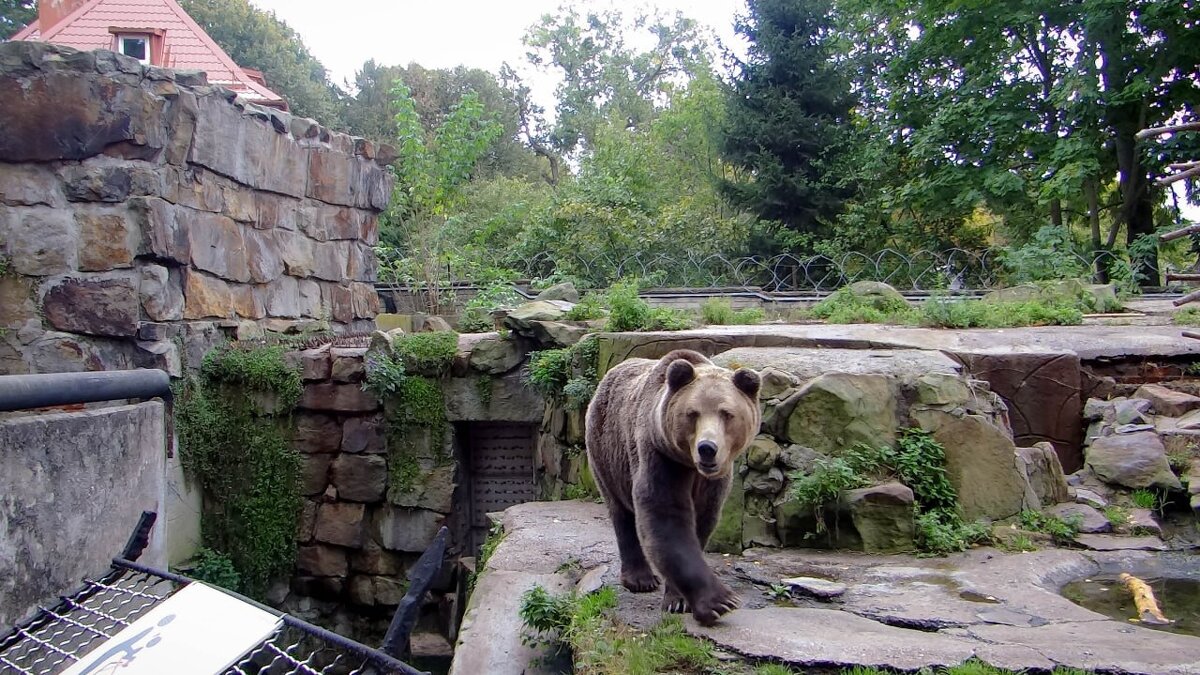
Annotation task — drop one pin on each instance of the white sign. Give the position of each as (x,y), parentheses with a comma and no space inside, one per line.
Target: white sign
(197,631)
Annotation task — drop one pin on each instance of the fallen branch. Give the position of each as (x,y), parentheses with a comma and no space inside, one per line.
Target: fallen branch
(1190,297)
(1176,234)
(1143,599)
(1182,277)
(1191,334)
(1159,131)
(1182,175)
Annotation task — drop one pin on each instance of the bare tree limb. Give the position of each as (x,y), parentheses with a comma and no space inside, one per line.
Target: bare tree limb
(1158,131)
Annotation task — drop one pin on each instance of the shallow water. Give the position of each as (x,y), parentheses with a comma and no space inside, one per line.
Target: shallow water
(1179,600)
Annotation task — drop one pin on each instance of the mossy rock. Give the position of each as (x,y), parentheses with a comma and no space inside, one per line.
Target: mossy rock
(835,411)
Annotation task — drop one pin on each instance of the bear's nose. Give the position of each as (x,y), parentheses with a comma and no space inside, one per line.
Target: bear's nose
(707,451)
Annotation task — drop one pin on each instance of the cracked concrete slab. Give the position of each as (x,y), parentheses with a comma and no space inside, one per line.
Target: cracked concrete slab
(898,611)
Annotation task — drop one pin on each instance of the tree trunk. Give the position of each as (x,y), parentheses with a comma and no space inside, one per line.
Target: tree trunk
(1137,205)
(1092,188)
(1056,218)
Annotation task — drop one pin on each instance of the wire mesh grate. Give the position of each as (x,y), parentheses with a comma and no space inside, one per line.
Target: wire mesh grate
(61,635)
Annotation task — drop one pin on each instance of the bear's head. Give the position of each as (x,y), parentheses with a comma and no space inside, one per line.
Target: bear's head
(709,415)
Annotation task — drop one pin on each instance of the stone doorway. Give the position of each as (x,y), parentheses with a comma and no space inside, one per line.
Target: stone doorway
(500,470)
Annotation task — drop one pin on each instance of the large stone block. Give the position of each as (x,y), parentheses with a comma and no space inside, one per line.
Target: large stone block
(434,489)
(262,255)
(217,245)
(322,561)
(360,478)
(163,233)
(409,530)
(326,223)
(338,398)
(247,149)
(1167,401)
(835,411)
(161,292)
(276,211)
(16,302)
(336,178)
(330,260)
(362,265)
(107,240)
(246,303)
(316,433)
(340,523)
(364,435)
(296,253)
(29,185)
(40,241)
(282,297)
(1137,460)
(67,116)
(981,463)
(882,516)
(108,182)
(205,296)
(494,355)
(310,299)
(95,306)
(1044,474)
(365,300)
(374,560)
(314,474)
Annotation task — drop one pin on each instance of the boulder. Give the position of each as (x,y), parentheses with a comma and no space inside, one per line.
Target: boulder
(435,324)
(541,310)
(564,291)
(775,383)
(1044,474)
(340,524)
(434,490)
(758,522)
(762,453)
(1167,402)
(554,334)
(835,411)
(1090,498)
(817,588)
(1136,460)
(882,516)
(494,355)
(981,463)
(1131,411)
(1088,518)
(1096,410)
(727,537)
(799,458)
(767,483)
(322,561)
(359,477)
(877,292)
(95,306)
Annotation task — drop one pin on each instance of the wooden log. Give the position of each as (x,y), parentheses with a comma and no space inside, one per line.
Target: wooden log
(1182,277)
(1182,175)
(1143,599)
(1174,128)
(1190,297)
(1191,334)
(1183,232)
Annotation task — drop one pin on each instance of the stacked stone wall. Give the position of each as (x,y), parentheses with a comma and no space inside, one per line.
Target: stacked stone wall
(145,216)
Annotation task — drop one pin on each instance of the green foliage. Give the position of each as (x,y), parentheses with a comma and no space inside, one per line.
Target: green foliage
(234,432)
(773,669)
(567,375)
(1144,498)
(628,312)
(942,531)
(428,354)
(6,266)
(1117,516)
(15,15)
(258,39)
(943,313)
(720,312)
(215,568)
(1180,461)
(476,315)
(418,404)
(385,374)
(483,389)
(1048,256)
(1017,544)
(549,371)
(1061,530)
(827,480)
(1189,316)
(486,550)
(844,306)
(578,392)
(590,306)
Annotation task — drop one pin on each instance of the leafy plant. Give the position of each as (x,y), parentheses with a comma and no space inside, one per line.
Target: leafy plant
(578,392)
(486,550)
(1018,544)
(1188,316)
(720,312)
(426,353)
(215,568)
(548,371)
(384,375)
(568,375)
(590,306)
(1144,499)
(827,480)
(1117,516)
(941,531)
(476,316)
(1062,530)
(844,306)
(943,313)
(779,591)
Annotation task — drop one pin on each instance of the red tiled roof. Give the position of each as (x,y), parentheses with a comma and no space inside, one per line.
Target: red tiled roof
(187,46)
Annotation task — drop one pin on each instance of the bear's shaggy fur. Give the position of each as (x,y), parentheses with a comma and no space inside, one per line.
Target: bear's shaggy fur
(662,437)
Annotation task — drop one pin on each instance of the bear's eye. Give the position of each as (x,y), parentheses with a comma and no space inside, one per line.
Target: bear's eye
(693,414)
(726,414)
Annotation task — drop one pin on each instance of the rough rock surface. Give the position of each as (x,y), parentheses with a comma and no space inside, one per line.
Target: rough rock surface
(1137,460)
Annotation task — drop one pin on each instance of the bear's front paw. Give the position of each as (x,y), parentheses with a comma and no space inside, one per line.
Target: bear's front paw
(673,602)
(639,580)
(712,602)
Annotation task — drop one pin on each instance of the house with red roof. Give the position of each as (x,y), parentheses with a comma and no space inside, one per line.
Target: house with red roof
(155,32)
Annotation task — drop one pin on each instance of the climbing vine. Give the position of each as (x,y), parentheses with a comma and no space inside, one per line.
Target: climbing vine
(408,380)
(234,422)
(567,375)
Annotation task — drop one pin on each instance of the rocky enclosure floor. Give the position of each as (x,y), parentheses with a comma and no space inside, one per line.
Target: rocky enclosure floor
(899,612)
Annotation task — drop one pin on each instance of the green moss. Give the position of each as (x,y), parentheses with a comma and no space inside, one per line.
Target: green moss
(568,376)
(483,389)
(234,424)
(427,354)
(1061,530)
(489,546)
(1186,317)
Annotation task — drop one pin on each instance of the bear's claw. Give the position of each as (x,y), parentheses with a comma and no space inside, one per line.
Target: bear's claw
(718,601)
(674,603)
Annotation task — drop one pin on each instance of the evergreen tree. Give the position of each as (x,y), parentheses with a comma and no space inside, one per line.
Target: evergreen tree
(15,15)
(789,108)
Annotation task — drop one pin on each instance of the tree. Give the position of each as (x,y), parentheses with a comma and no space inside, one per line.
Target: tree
(257,39)
(15,15)
(789,109)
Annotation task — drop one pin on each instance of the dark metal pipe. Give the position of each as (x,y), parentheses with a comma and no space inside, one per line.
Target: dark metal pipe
(25,392)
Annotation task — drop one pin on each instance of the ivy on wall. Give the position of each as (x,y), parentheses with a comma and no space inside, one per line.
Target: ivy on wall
(235,429)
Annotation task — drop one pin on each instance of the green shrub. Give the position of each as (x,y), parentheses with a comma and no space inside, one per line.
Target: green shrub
(215,568)
(1189,316)
(548,371)
(720,312)
(1144,499)
(942,531)
(943,313)
(590,306)
(627,312)
(426,353)
(385,375)
(567,375)
(843,306)
(476,316)
(1061,530)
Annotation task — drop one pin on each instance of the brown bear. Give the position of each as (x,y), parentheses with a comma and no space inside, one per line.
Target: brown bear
(662,437)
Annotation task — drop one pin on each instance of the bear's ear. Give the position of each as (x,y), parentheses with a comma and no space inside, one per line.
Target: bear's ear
(748,381)
(679,375)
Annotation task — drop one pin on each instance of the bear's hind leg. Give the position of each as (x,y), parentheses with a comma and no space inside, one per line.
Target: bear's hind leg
(636,574)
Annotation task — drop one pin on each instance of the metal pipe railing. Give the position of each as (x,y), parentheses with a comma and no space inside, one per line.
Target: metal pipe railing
(25,392)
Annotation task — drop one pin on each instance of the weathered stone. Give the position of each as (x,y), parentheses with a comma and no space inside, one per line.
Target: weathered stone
(798,457)
(16,301)
(322,561)
(93,306)
(1096,410)
(281,298)
(360,478)
(1136,460)
(758,522)
(1090,498)
(317,434)
(338,398)
(364,435)
(308,521)
(553,334)
(1142,521)
(246,303)
(40,241)
(348,365)
(1044,473)
(775,383)
(942,389)
(205,296)
(106,241)
(1131,411)
(29,185)
(161,293)
(262,255)
(327,223)
(314,474)
(319,588)
(247,150)
(882,516)
(315,364)
(310,299)
(511,400)
(107,183)
(361,590)
(365,301)
(330,260)
(565,291)
(762,453)
(1087,519)
(1167,401)
(409,530)
(543,310)
(818,588)
(1112,542)
(494,355)
(164,234)
(217,246)
(434,490)
(372,559)
(727,536)
(764,482)
(981,463)
(362,264)
(337,298)
(340,523)
(160,355)
(835,411)
(335,178)
(295,252)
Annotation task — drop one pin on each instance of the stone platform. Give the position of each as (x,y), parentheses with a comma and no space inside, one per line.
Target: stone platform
(898,612)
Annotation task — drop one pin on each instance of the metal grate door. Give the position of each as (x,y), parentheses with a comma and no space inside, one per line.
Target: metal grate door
(500,456)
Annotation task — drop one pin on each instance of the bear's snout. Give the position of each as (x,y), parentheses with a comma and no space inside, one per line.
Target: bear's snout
(706,454)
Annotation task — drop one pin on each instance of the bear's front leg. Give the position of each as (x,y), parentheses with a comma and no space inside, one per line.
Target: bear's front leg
(666,523)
